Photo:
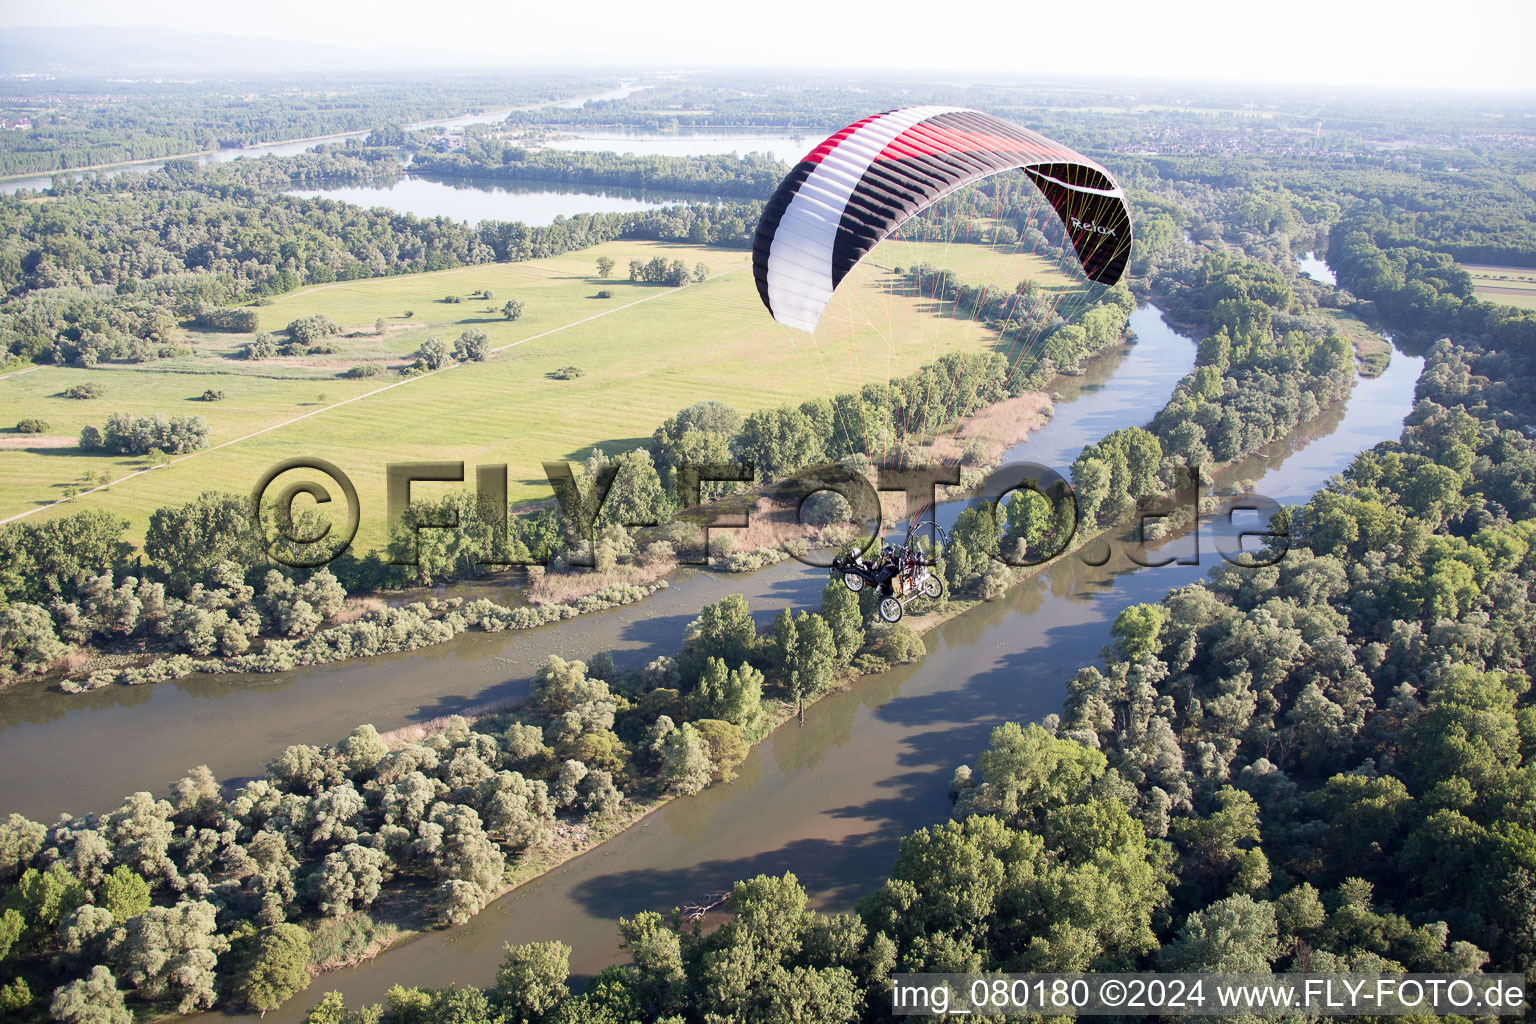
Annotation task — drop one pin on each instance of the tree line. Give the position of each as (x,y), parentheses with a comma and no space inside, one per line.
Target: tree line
(753,176)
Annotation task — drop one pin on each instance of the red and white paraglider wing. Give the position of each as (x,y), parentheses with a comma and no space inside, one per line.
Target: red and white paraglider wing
(864,181)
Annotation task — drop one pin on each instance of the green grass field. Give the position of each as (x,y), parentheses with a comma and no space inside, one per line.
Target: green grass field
(1513,286)
(974,264)
(642,362)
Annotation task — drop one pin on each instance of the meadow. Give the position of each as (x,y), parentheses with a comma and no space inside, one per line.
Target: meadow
(1513,286)
(1001,266)
(644,353)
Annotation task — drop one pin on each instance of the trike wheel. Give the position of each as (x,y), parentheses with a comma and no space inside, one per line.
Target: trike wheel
(890,609)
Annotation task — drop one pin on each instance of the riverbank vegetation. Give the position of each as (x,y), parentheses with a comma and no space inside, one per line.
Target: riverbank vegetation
(191,901)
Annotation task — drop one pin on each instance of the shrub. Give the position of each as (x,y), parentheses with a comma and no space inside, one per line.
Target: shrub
(241,321)
(453,298)
(212,396)
(565,373)
(90,440)
(27,639)
(605,294)
(472,346)
(264,347)
(82,392)
(432,354)
(307,330)
(141,435)
(31,425)
(512,310)
(825,508)
(363,370)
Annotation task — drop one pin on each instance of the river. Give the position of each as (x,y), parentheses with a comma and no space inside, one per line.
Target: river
(1314,267)
(828,800)
(831,799)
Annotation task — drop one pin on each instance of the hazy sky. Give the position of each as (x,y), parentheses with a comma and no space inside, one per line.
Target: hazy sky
(1446,44)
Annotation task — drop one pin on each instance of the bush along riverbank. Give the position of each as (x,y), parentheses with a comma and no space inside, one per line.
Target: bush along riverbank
(201,899)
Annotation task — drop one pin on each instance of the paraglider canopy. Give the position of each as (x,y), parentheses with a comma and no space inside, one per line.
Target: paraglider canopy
(864,181)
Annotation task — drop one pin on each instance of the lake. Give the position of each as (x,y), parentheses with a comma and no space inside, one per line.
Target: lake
(534,203)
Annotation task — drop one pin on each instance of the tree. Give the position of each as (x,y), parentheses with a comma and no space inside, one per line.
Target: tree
(1236,935)
(727,748)
(686,767)
(840,609)
(171,951)
(604,266)
(636,497)
(726,631)
(20,840)
(125,435)
(124,893)
(778,442)
(48,561)
(472,347)
(278,967)
(807,654)
(43,898)
(348,878)
(27,640)
(17,997)
(93,999)
(531,981)
(512,310)
(732,695)
(12,925)
(1136,629)
(433,354)
(186,541)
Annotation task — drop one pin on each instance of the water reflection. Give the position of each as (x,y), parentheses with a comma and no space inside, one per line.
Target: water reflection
(534,203)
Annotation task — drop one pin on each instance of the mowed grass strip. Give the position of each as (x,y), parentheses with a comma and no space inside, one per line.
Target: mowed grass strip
(1513,286)
(640,365)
